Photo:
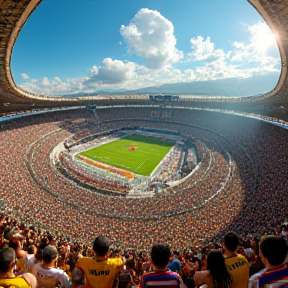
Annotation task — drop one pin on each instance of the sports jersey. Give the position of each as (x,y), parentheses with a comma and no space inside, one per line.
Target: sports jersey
(161,280)
(238,267)
(276,278)
(16,282)
(50,277)
(100,274)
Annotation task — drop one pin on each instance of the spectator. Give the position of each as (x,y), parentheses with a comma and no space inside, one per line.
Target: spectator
(273,251)
(100,271)
(256,266)
(237,265)
(216,275)
(47,275)
(192,267)
(160,255)
(7,277)
(77,278)
(175,264)
(125,279)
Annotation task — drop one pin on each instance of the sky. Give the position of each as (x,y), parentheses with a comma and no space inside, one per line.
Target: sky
(82,46)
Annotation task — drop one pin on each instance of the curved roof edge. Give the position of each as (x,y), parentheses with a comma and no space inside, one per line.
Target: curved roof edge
(13,16)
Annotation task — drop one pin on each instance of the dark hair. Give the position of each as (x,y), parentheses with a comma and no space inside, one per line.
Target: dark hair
(41,247)
(101,245)
(176,253)
(7,256)
(49,253)
(231,241)
(274,249)
(160,255)
(216,266)
(196,259)
(30,249)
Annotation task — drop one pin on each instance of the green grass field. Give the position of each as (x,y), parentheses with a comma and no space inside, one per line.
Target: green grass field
(149,152)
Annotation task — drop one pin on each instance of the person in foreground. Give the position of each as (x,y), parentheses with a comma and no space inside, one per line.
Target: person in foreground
(161,277)
(216,275)
(100,271)
(7,277)
(236,264)
(46,274)
(273,251)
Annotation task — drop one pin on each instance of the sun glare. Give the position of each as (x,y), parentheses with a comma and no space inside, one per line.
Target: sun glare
(262,37)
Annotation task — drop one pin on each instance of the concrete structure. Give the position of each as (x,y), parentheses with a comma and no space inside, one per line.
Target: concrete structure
(14,13)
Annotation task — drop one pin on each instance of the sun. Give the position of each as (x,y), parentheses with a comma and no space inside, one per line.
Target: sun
(262,37)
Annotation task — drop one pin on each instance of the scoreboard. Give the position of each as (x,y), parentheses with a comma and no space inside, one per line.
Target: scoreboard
(163,98)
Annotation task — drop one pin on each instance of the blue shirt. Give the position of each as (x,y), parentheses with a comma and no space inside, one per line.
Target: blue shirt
(175,265)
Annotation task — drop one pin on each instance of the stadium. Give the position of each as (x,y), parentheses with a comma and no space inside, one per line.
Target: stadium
(221,162)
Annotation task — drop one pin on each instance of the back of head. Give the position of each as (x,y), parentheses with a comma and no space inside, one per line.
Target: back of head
(41,247)
(196,259)
(216,266)
(101,245)
(77,277)
(160,255)
(231,241)
(49,254)
(7,258)
(274,249)
(215,260)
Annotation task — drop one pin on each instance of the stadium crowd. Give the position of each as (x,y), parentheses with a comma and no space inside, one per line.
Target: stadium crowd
(70,201)
(190,215)
(39,252)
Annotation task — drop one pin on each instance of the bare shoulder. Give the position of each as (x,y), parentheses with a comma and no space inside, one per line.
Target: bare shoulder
(201,276)
(30,279)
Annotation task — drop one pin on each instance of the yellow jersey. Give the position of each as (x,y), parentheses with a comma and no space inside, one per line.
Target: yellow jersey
(99,274)
(15,282)
(238,267)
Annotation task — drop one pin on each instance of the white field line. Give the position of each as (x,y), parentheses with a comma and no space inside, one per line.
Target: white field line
(141,164)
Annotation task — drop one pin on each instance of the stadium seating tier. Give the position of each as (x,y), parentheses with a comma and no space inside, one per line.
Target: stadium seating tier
(258,153)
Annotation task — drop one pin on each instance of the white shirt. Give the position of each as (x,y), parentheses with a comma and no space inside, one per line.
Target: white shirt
(49,277)
(30,261)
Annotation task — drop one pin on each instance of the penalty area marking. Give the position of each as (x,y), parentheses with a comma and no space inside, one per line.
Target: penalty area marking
(141,164)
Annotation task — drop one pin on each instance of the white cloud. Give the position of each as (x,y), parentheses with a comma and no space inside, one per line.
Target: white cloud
(204,50)
(94,70)
(242,60)
(219,69)
(45,81)
(25,76)
(111,72)
(55,86)
(151,36)
(256,51)
(238,44)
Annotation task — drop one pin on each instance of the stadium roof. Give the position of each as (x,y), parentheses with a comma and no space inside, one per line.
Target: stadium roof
(14,14)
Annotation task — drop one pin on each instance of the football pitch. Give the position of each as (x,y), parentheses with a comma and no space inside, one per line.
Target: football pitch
(149,151)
